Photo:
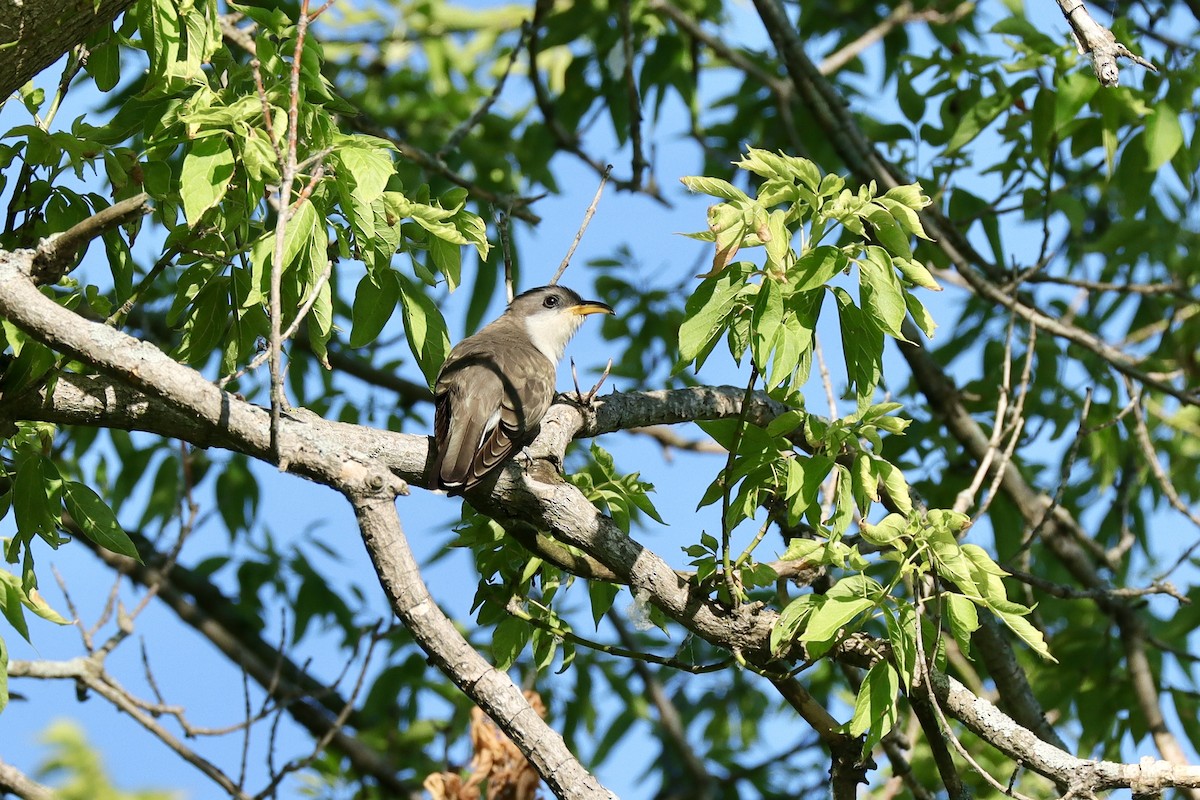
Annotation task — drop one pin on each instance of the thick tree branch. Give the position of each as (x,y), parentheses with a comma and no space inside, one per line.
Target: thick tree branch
(1063,535)
(488,687)
(35,33)
(1083,776)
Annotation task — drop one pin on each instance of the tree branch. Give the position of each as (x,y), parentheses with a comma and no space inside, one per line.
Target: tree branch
(36,33)
(15,782)
(55,253)
(312,704)
(1099,42)
(489,688)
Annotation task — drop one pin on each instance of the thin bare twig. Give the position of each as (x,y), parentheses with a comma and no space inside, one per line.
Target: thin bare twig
(458,134)
(305,307)
(585,400)
(1018,424)
(901,15)
(587,218)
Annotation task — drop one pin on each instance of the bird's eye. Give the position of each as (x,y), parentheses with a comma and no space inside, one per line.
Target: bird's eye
(550,302)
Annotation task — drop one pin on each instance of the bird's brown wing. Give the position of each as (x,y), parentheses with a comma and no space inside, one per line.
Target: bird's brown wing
(483,413)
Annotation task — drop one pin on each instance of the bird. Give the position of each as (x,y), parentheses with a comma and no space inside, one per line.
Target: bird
(495,386)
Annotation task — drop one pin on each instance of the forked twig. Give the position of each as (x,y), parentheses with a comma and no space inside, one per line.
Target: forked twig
(580,397)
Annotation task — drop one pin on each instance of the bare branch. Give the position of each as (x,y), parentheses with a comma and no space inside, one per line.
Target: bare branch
(1099,42)
(15,782)
(587,218)
(489,688)
(55,253)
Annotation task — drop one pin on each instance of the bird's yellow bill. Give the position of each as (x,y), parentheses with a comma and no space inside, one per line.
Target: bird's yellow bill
(591,308)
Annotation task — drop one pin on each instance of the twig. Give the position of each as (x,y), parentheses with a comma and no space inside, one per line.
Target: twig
(117,318)
(458,134)
(668,714)
(1064,474)
(54,253)
(638,167)
(284,211)
(829,488)
(901,15)
(585,400)
(670,440)
(966,498)
(1018,424)
(731,581)
(338,723)
(1174,287)
(17,783)
(567,140)
(515,608)
(305,307)
(587,218)
(90,673)
(1070,593)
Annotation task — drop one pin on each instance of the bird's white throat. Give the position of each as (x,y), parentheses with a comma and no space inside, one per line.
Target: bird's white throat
(550,332)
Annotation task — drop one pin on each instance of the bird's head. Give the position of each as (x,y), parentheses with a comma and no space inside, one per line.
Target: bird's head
(551,316)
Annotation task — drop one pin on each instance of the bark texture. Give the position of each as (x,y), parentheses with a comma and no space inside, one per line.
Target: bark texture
(35,33)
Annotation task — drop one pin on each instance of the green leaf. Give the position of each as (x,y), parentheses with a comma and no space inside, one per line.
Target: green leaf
(1024,629)
(880,291)
(1073,92)
(375,301)
(10,601)
(715,187)
(765,322)
(34,494)
(96,520)
(818,266)
(862,345)
(207,170)
(104,64)
(887,532)
(368,167)
(425,329)
(706,310)
(789,622)
(875,708)
(894,483)
(978,116)
(920,315)
(302,228)
(964,618)
(1164,136)
(786,422)
(602,596)
(508,640)
(832,616)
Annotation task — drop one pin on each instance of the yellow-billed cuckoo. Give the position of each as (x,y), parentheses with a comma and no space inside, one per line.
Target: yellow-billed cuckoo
(496,386)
